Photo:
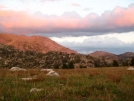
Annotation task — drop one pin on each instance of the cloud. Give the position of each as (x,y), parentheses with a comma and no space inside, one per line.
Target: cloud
(85,44)
(49,0)
(75,4)
(87,9)
(24,1)
(1,7)
(118,20)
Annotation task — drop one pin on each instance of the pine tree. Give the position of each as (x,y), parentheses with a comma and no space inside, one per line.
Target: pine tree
(115,63)
(132,62)
(64,66)
(71,65)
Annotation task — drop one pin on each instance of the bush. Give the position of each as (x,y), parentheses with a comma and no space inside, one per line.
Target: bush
(115,63)
(64,66)
(71,65)
(132,62)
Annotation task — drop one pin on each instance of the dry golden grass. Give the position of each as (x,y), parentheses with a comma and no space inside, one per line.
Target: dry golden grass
(91,84)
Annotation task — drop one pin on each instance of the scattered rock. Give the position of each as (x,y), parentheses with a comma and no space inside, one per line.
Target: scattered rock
(29,78)
(52,73)
(17,69)
(46,70)
(61,84)
(130,68)
(36,90)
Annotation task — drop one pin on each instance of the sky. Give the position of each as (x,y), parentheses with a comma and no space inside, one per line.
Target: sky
(82,25)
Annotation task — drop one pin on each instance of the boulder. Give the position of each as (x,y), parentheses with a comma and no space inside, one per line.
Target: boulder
(130,68)
(36,90)
(52,73)
(29,78)
(17,69)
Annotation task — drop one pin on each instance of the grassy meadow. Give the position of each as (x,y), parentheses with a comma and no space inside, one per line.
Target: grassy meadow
(92,84)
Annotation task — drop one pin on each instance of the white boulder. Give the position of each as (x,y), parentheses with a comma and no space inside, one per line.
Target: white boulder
(36,90)
(46,70)
(17,69)
(29,78)
(130,68)
(52,73)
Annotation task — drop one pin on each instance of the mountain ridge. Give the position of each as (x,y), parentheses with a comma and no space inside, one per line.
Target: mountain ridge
(98,54)
(33,43)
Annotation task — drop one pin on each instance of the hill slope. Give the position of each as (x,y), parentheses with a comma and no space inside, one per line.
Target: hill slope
(10,57)
(33,43)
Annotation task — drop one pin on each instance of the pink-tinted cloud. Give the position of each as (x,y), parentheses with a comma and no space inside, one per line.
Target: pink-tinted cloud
(49,0)
(75,4)
(1,6)
(118,20)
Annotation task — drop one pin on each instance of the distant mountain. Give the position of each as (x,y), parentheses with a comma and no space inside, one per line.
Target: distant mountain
(33,43)
(102,54)
(104,58)
(126,55)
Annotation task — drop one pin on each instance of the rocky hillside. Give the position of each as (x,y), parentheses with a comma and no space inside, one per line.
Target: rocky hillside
(33,43)
(10,57)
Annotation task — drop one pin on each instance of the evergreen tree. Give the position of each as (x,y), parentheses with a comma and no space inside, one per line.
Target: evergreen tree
(115,63)
(64,66)
(56,66)
(71,65)
(97,63)
(132,62)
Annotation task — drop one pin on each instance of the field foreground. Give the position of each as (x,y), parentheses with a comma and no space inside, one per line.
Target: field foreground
(93,84)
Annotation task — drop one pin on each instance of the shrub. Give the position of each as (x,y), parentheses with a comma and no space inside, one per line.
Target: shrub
(132,62)
(71,65)
(115,63)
